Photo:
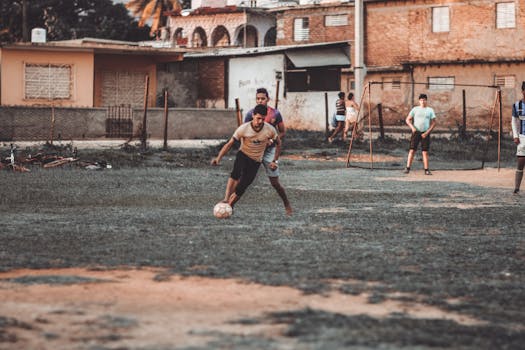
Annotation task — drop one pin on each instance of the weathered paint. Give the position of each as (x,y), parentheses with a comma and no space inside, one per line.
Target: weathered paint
(12,73)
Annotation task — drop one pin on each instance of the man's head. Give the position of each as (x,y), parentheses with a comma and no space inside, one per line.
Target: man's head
(423,100)
(259,113)
(261,96)
(341,95)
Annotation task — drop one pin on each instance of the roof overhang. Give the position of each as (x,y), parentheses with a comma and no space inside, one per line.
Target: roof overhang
(319,57)
(97,46)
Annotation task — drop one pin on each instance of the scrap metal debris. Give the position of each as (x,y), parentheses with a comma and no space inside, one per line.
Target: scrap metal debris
(47,156)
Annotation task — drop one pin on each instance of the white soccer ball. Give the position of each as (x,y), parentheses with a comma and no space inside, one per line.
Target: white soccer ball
(222,210)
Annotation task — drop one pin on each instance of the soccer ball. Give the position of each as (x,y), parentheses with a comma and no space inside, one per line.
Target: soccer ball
(222,210)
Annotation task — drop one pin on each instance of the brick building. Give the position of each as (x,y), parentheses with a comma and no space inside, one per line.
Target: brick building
(453,51)
(459,52)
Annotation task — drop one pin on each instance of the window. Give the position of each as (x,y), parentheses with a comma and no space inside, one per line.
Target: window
(505,81)
(505,15)
(441,83)
(440,19)
(313,79)
(392,83)
(301,30)
(335,20)
(47,81)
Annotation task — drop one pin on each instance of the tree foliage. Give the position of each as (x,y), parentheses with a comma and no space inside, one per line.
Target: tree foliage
(69,19)
(153,9)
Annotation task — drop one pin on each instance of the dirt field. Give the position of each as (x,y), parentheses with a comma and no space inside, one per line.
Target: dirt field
(132,258)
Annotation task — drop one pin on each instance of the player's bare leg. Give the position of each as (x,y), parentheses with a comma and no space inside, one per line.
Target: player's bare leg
(233,199)
(231,185)
(519,174)
(282,193)
(410,159)
(425,162)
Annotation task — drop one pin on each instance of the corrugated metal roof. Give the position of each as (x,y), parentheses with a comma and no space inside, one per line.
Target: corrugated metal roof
(239,51)
(318,57)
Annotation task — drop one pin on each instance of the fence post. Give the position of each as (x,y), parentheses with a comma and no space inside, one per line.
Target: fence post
(464,126)
(52,129)
(277,94)
(165,119)
(238,110)
(326,112)
(144,119)
(381,125)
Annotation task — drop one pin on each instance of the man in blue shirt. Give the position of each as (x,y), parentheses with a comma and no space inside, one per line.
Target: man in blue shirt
(421,120)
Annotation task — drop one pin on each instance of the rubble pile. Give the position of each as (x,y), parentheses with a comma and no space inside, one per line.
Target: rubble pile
(46,156)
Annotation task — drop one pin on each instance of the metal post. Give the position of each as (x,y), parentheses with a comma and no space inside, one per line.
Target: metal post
(326,111)
(277,94)
(500,129)
(144,119)
(464,127)
(52,130)
(359,62)
(165,119)
(238,110)
(380,115)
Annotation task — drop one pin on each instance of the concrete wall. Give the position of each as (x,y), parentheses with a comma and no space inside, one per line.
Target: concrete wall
(34,123)
(13,76)
(244,81)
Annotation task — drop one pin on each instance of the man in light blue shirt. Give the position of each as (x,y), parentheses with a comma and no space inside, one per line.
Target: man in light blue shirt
(421,120)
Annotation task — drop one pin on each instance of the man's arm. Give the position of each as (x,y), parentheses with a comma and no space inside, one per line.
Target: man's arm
(409,120)
(515,130)
(429,130)
(274,163)
(281,129)
(225,149)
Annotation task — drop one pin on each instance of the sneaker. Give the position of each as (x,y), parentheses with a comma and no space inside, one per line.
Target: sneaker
(427,172)
(516,191)
(407,170)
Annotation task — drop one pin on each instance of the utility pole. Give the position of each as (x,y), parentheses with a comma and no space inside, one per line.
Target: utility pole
(359,61)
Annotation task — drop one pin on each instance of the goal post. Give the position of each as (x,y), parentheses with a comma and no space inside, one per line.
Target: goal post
(464,137)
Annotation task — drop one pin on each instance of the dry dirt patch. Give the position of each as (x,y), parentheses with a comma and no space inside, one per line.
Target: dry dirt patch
(145,307)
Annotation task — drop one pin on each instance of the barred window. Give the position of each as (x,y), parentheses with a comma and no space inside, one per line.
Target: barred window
(440,19)
(505,81)
(301,29)
(441,83)
(505,15)
(48,81)
(392,83)
(335,20)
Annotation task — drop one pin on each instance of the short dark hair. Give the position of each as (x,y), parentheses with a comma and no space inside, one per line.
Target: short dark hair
(341,94)
(350,95)
(262,91)
(260,109)
(424,96)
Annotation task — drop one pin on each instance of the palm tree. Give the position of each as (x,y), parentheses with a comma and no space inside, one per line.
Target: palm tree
(155,9)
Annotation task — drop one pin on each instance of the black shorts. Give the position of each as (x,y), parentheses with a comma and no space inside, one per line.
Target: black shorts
(416,139)
(244,169)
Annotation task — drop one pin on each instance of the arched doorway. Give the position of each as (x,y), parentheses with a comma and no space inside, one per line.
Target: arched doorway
(220,37)
(251,37)
(198,38)
(270,37)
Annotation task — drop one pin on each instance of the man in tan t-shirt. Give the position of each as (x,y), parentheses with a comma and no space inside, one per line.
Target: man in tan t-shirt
(254,137)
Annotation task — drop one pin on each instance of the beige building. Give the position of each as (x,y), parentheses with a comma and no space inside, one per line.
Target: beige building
(80,73)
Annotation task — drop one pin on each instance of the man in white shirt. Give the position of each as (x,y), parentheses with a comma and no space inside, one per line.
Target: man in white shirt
(421,120)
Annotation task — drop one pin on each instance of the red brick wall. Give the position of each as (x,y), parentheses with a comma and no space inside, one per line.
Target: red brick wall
(400,31)
(319,33)
(211,79)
